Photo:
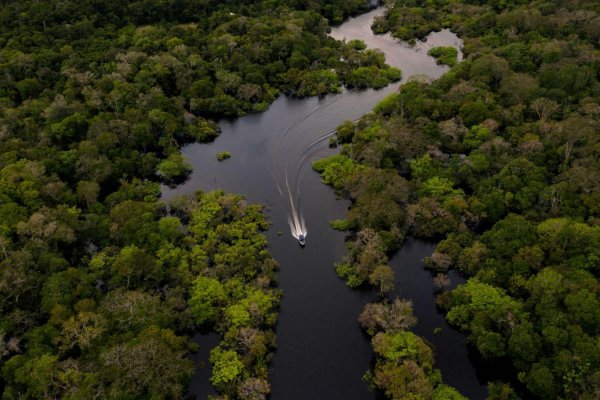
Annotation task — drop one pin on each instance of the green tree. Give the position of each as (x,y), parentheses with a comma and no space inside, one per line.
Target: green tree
(446,55)
(382,277)
(133,267)
(206,295)
(70,128)
(226,366)
(174,168)
(150,365)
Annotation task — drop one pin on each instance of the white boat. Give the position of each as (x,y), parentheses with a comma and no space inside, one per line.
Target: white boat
(301,240)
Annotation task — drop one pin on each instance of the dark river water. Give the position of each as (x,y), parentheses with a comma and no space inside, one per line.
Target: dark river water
(322,353)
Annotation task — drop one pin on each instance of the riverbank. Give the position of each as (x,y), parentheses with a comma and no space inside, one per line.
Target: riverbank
(322,353)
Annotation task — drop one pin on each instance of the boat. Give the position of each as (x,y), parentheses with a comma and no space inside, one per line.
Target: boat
(301,240)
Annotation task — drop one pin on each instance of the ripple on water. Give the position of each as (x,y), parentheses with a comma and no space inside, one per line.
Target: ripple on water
(322,353)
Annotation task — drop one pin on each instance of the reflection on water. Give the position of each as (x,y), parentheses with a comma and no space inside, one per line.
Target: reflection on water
(322,352)
(200,386)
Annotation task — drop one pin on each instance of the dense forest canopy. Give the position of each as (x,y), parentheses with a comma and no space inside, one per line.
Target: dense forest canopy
(41,14)
(101,284)
(499,161)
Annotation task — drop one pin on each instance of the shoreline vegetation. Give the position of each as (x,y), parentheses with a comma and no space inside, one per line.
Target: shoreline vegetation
(497,161)
(101,283)
(445,55)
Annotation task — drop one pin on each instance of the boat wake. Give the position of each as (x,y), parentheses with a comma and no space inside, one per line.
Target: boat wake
(295,218)
(297,226)
(288,184)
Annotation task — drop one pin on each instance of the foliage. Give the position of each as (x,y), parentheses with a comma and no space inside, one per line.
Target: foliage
(334,169)
(404,366)
(446,55)
(174,168)
(101,284)
(500,158)
(223,155)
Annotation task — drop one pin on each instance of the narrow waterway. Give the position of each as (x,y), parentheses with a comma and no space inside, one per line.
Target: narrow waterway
(322,352)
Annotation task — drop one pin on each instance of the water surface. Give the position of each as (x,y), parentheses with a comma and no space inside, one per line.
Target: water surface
(322,353)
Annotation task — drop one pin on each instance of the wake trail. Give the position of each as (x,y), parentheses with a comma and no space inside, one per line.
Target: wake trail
(313,148)
(294,125)
(295,220)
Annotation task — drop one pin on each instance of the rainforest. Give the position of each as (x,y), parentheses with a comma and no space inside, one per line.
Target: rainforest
(159,161)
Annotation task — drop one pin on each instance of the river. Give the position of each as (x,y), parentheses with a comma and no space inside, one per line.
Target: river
(322,353)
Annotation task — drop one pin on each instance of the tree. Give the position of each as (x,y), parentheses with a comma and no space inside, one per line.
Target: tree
(487,313)
(444,392)
(427,218)
(572,132)
(134,267)
(65,288)
(383,278)
(569,242)
(29,88)
(489,69)
(135,310)
(439,189)
(174,168)
(152,364)
(53,225)
(226,366)
(544,108)
(524,343)
(518,88)
(254,389)
(422,168)
(82,330)
(335,169)
(35,376)
(70,128)
(541,381)
(583,308)
(170,228)
(207,294)
(447,55)
(501,391)
(473,113)
(88,191)
(402,381)
(367,252)
(378,317)
(476,136)
(402,346)
(509,235)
